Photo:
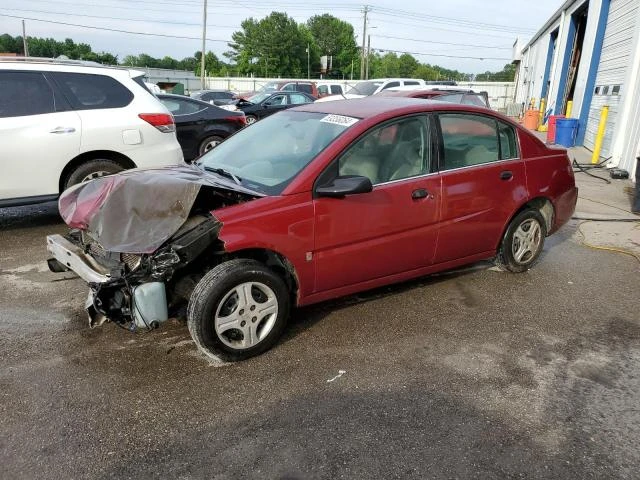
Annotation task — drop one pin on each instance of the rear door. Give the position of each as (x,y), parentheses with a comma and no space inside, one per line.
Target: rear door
(392,229)
(38,135)
(483,183)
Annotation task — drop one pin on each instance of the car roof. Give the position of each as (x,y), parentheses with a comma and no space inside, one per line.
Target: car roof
(424,91)
(67,66)
(390,106)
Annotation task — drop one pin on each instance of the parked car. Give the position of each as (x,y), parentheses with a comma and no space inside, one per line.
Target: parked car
(62,123)
(153,88)
(371,87)
(313,203)
(307,87)
(264,104)
(200,125)
(215,97)
(330,88)
(465,97)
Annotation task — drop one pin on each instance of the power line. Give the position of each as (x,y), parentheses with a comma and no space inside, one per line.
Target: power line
(116,18)
(442,43)
(113,29)
(440,55)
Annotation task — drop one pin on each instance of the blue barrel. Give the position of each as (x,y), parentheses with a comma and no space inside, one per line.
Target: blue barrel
(566,131)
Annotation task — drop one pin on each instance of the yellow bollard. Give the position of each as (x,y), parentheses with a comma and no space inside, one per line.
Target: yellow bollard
(569,108)
(600,136)
(541,127)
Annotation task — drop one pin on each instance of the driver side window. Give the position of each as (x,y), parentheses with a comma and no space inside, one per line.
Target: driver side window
(277,100)
(391,152)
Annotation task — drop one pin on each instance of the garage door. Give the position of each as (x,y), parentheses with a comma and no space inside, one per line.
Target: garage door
(614,60)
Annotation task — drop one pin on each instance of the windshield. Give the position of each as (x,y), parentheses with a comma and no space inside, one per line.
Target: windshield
(269,88)
(269,154)
(258,98)
(364,88)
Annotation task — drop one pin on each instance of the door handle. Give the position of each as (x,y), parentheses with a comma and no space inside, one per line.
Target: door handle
(63,130)
(419,193)
(506,175)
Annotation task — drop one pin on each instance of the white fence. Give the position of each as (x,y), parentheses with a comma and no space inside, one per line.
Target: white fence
(500,93)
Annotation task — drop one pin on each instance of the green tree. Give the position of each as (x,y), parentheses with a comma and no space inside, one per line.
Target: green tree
(334,37)
(273,46)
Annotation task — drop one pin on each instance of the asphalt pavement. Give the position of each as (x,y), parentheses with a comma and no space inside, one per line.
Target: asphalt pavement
(476,373)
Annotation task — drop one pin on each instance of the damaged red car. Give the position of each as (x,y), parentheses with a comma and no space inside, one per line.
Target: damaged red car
(313,203)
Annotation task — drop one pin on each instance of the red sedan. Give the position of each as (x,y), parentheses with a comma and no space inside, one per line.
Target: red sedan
(310,204)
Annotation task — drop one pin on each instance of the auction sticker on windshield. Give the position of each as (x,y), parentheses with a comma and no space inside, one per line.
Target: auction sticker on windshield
(340,120)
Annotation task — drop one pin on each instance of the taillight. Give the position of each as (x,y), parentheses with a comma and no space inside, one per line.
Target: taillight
(162,121)
(241,119)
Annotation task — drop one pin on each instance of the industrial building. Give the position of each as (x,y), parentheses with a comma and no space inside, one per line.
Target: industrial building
(588,53)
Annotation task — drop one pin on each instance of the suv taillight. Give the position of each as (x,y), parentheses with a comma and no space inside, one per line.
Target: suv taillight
(162,121)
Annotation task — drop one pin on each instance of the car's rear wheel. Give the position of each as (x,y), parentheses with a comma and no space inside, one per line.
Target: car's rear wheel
(92,169)
(251,119)
(210,143)
(238,310)
(523,241)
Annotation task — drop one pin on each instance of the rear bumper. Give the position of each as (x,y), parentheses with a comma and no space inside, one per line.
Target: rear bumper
(73,257)
(160,154)
(565,206)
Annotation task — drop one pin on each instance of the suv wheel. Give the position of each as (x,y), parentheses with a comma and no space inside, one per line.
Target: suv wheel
(238,310)
(90,170)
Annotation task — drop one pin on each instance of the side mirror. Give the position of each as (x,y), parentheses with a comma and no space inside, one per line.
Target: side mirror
(345,185)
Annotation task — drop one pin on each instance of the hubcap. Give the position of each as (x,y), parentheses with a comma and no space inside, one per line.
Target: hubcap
(92,175)
(246,315)
(526,241)
(210,145)
(250,120)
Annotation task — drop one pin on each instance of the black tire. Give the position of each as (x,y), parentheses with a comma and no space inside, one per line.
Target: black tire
(202,149)
(213,288)
(251,119)
(97,167)
(506,257)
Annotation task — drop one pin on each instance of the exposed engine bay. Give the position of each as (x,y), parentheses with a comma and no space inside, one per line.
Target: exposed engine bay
(139,266)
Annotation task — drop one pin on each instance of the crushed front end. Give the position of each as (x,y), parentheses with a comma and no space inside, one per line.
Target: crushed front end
(131,289)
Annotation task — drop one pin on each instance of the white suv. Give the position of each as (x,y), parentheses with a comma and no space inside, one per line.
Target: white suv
(371,87)
(63,122)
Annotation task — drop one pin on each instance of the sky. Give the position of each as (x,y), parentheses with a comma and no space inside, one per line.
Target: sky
(472,36)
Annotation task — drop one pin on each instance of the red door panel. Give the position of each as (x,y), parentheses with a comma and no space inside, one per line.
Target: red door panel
(476,204)
(375,234)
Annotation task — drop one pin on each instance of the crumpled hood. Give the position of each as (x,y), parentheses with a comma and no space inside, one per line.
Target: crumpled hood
(138,210)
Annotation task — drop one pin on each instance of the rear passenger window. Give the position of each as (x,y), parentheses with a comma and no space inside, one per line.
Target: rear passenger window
(468,140)
(304,87)
(409,82)
(323,90)
(508,142)
(23,94)
(336,89)
(88,91)
(289,87)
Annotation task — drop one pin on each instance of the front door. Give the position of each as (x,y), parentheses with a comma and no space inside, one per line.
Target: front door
(37,139)
(483,183)
(390,230)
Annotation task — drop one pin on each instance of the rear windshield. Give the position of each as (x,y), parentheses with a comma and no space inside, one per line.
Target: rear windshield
(269,154)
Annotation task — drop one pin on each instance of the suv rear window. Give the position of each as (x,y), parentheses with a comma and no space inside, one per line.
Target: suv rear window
(88,91)
(24,93)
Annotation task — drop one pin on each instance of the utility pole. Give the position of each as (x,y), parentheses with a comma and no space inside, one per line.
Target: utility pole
(308,62)
(24,40)
(204,39)
(368,54)
(364,39)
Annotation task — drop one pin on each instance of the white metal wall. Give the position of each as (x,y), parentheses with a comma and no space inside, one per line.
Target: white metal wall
(617,50)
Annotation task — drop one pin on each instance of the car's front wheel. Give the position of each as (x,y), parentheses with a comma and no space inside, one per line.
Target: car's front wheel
(523,241)
(92,169)
(238,310)
(251,119)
